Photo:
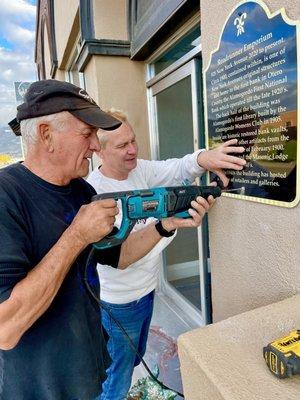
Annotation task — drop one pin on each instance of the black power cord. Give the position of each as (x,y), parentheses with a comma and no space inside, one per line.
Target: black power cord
(132,345)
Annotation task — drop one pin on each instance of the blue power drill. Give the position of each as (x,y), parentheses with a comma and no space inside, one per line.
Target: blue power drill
(160,202)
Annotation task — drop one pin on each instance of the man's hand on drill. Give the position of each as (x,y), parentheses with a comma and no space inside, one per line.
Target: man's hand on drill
(217,159)
(94,221)
(199,207)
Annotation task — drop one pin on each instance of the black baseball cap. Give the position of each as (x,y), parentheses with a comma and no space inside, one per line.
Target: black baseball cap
(51,96)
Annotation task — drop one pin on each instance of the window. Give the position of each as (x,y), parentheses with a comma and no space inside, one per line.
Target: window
(72,73)
(187,43)
(176,116)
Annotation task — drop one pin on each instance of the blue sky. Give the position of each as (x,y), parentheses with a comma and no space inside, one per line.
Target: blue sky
(17,40)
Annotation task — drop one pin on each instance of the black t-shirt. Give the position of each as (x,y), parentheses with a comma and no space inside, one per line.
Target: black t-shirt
(63,355)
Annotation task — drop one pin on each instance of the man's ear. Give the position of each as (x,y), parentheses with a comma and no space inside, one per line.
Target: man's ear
(45,136)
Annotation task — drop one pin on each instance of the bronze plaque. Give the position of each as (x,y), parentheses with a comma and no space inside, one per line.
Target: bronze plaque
(252,95)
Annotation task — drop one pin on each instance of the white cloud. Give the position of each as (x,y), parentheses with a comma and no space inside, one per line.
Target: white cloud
(14,67)
(17,10)
(17,34)
(21,65)
(17,39)
(7,74)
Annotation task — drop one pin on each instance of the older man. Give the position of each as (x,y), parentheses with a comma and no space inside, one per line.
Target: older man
(129,294)
(50,344)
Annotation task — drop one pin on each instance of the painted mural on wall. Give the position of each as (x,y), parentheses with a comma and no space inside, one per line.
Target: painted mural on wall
(252,95)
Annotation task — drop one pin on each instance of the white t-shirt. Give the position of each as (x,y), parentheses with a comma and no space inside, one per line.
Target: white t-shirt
(123,286)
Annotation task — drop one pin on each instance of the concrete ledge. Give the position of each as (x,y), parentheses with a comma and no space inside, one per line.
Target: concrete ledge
(224,361)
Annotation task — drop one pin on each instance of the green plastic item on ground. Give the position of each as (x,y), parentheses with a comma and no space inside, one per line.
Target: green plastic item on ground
(148,389)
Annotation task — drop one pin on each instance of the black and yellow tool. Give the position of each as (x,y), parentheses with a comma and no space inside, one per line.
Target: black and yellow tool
(283,355)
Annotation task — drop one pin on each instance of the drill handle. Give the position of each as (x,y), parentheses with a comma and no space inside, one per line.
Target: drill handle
(186,194)
(206,191)
(118,235)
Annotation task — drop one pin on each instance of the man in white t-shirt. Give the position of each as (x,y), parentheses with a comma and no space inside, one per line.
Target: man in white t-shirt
(129,293)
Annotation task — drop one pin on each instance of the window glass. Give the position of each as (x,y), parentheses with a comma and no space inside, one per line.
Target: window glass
(175,129)
(182,47)
(72,73)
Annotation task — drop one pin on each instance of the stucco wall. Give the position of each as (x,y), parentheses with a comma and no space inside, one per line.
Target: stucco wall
(255,250)
(47,58)
(64,16)
(224,361)
(110,19)
(60,75)
(121,84)
(91,80)
(112,81)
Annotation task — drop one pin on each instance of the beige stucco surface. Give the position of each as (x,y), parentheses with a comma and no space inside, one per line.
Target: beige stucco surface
(91,80)
(224,361)
(47,57)
(60,75)
(255,248)
(64,15)
(110,20)
(112,81)
(121,85)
